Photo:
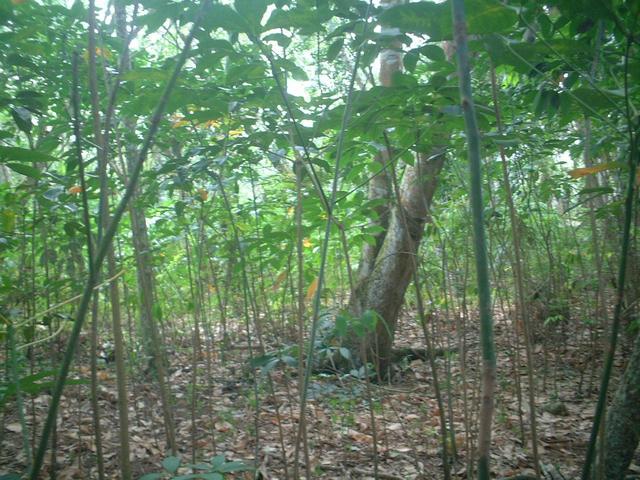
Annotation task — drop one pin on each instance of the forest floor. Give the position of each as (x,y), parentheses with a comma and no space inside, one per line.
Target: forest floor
(340,432)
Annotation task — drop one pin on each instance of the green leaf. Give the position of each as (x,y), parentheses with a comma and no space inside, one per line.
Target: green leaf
(280,38)
(8,220)
(434,19)
(25,170)
(246,73)
(302,18)
(34,384)
(171,464)
(53,194)
(149,74)
(432,52)
(225,17)
(297,73)
(252,11)
(151,476)
(410,61)
(259,362)
(369,320)
(334,49)
(229,467)
(345,352)
(18,154)
(202,476)
(525,57)
(342,324)
(217,461)
(22,117)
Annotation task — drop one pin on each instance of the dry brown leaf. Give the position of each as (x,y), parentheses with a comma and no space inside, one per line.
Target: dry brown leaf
(359,436)
(14,427)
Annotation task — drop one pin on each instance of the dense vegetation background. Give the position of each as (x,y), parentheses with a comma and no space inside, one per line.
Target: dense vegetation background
(242,240)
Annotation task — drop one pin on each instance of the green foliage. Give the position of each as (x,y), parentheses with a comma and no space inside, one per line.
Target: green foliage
(230,126)
(434,19)
(34,384)
(215,469)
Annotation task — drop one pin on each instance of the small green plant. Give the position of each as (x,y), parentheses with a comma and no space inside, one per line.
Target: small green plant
(216,469)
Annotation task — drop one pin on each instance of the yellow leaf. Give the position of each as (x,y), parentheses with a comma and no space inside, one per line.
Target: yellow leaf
(584,171)
(236,133)
(103,52)
(178,122)
(311,291)
(279,280)
(204,195)
(75,189)
(212,124)
(307,243)
(100,52)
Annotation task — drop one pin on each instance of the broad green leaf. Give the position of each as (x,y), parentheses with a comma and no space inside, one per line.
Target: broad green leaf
(25,170)
(229,467)
(526,57)
(17,154)
(432,52)
(8,220)
(596,190)
(249,72)
(225,17)
(22,117)
(35,383)
(252,11)
(171,464)
(434,19)
(369,320)
(296,72)
(217,461)
(198,466)
(334,49)
(304,19)
(345,352)
(590,99)
(282,40)
(202,476)
(342,324)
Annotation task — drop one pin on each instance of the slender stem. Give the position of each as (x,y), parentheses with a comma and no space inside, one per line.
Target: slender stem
(95,406)
(103,247)
(480,247)
(519,279)
(622,276)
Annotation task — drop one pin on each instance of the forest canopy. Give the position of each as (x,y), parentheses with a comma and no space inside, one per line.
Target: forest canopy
(319,239)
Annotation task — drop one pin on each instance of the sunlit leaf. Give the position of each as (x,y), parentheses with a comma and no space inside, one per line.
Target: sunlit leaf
(311,291)
(584,171)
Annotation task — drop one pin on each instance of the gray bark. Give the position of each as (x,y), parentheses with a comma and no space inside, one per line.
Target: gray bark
(383,289)
(387,267)
(623,420)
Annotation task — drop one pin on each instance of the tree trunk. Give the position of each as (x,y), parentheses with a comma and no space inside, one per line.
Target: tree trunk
(386,267)
(152,341)
(623,420)
(382,289)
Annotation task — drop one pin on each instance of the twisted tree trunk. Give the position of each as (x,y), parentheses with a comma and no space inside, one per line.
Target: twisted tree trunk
(386,267)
